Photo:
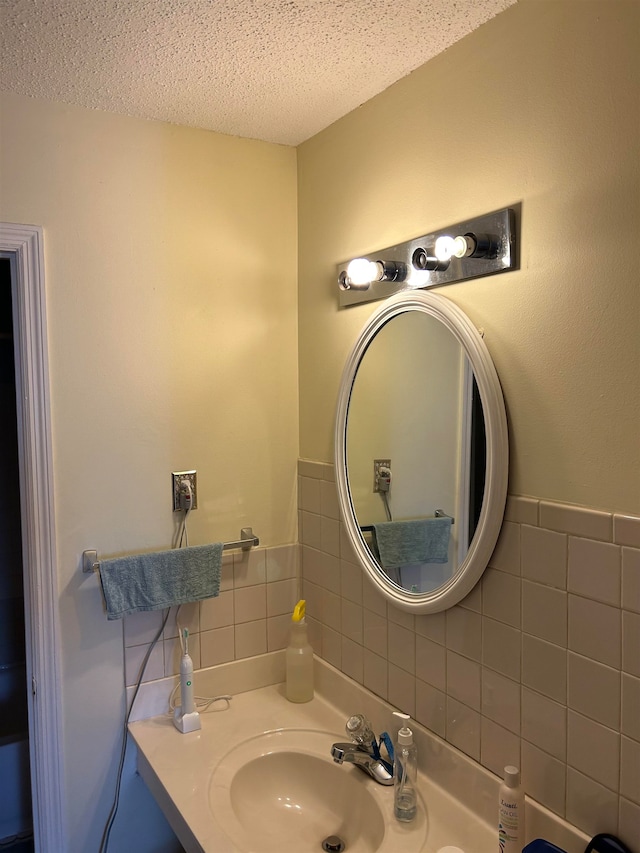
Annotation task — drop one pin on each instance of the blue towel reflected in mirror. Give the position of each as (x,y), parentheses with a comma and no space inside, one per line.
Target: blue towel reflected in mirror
(402,543)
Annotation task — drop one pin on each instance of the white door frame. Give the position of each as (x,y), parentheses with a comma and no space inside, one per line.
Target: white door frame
(23,245)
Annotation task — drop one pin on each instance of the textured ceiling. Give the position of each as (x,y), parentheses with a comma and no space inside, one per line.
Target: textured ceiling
(278,70)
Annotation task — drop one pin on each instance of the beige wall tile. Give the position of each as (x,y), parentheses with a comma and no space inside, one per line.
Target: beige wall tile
(593,690)
(352,621)
(498,747)
(544,556)
(251,639)
(140,628)
(595,570)
(217,612)
(431,662)
(544,777)
(544,668)
(402,647)
(431,707)
(463,728)
(133,659)
(464,632)
(402,690)
(250,603)
(544,723)
(281,597)
(501,597)
(351,581)
(352,660)
(630,769)
(309,494)
(501,647)
(279,632)
(332,610)
(249,567)
(544,612)
(593,749)
(372,599)
(308,468)
(580,521)
(375,632)
(312,565)
(331,646)
(522,510)
(329,500)
(330,536)
(626,530)
(631,642)
(431,625)
(506,555)
(375,673)
(217,646)
(310,530)
(590,805)
(631,579)
(401,617)
(501,700)
(282,563)
(473,601)
(463,680)
(629,822)
(595,630)
(630,723)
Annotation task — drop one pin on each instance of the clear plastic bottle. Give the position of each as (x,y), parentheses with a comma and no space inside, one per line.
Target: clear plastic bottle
(299,659)
(405,773)
(511,812)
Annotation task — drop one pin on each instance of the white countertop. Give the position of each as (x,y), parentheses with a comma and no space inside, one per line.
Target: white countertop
(460,796)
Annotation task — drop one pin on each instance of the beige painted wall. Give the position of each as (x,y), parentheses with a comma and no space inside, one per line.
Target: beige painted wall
(170,279)
(538,108)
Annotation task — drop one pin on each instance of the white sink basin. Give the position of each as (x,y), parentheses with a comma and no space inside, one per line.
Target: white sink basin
(282,791)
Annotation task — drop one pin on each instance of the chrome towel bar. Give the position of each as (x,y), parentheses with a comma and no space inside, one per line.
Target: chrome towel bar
(90,562)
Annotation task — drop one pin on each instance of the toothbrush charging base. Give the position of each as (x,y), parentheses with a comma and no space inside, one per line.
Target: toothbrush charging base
(186,723)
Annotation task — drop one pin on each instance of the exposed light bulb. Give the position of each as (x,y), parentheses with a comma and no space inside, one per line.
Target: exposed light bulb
(417,278)
(463,246)
(361,271)
(444,248)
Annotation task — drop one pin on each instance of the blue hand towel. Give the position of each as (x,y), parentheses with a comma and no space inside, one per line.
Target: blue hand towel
(161,579)
(424,540)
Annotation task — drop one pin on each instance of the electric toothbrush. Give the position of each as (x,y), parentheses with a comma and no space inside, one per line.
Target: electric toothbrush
(185,717)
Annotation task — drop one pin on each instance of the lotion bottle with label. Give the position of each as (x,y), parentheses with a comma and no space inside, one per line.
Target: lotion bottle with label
(299,659)
(511,812)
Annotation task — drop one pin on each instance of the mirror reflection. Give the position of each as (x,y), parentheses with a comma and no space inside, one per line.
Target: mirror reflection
(415,451)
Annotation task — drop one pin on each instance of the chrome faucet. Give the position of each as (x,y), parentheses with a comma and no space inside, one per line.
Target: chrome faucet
(364,751)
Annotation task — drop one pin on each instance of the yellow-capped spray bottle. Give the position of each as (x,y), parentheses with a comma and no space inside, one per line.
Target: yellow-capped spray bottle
(299,658)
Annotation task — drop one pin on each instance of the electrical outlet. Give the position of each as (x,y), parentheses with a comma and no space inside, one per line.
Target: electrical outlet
(176,478)
(377,465)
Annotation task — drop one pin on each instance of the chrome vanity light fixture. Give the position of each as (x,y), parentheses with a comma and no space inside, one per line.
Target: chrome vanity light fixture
(478,247)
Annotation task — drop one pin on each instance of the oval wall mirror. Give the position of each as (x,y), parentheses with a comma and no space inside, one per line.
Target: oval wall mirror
(421,452)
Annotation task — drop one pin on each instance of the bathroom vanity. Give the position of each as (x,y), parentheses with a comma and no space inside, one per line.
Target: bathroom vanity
(259,777)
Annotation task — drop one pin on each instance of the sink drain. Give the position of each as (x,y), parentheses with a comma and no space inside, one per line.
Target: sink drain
(333,843)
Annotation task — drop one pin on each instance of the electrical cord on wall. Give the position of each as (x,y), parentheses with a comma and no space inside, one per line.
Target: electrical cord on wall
(186,500)
(104,843)
(202,703)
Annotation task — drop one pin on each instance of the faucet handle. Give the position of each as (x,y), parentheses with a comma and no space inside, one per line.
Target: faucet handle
(359,730)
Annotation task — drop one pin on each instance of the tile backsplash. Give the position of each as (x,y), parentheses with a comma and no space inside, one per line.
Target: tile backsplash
(250,616)
(538,666)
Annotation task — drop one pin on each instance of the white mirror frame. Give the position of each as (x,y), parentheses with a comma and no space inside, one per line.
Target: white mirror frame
(497,462)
